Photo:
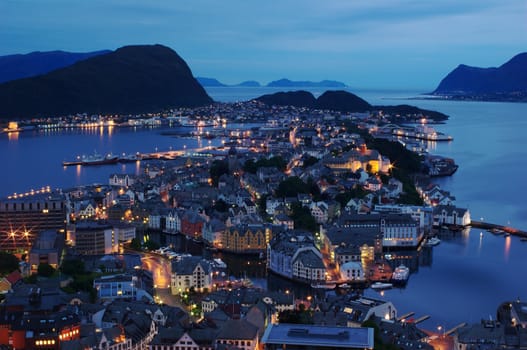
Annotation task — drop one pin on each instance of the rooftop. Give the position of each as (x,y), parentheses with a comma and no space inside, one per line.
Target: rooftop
(335,337)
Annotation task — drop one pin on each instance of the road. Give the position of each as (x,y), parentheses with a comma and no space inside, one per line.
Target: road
(160,268)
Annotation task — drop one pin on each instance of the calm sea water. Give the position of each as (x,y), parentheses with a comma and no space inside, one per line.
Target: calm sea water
(464,278)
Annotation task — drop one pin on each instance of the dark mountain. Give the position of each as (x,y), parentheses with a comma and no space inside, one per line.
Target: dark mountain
(209,82)
(132,79)
(14,67)
(509,78)
(334,100)
(249,83)
(289,98)
(411,110)
(290,83)
(342,101)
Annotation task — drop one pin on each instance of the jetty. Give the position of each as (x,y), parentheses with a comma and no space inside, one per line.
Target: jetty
(405,316)
(507,229)
(421,319)
(453,329)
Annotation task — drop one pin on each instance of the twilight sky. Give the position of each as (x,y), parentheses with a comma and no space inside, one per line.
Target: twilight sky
(363,43)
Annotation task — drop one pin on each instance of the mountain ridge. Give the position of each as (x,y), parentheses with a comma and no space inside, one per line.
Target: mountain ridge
(342,101)
(131,79)
(505,81)
(18,66)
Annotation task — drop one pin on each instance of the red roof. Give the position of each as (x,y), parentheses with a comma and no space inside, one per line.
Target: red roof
(14,277)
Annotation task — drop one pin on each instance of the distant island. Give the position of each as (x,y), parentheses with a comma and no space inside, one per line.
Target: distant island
(212,82)
(13,67)
(281,83)
(132,79)
(291,83)
(505,83)
(343,101)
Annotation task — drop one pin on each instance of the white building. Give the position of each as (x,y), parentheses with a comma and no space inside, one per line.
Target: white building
(190,272)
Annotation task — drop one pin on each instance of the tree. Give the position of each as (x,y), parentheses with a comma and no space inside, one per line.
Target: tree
(221,206)
(135,244)
(217,169)
(151,245)
(45,270)
(291,187)
(302,218)
(250,166)
(310,161)
(72,267)
(8,263)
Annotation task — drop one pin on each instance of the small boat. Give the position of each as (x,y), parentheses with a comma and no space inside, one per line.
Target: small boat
(323,285)
(430,242)
(496,231)
(381,285)
(523,239)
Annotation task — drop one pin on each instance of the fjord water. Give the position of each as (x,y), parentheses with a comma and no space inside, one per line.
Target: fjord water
(464,278)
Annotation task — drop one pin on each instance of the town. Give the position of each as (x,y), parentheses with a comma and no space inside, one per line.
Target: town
(333,202)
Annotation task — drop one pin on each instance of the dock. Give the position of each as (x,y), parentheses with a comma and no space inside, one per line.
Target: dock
(508,229)
(405,316)
(452,330)
(421,319)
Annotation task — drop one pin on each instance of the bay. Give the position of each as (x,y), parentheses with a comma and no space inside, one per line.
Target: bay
(464,278)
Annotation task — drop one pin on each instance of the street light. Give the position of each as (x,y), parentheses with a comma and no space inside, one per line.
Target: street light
(439,328)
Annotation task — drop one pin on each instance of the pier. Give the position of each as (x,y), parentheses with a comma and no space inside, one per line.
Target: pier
(405,316)
(421,319)
(453,329)
(507,229)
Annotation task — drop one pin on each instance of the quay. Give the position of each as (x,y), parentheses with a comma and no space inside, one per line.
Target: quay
(507,229)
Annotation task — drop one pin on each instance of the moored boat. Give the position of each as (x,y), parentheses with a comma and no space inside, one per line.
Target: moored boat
(322,285)
(95,159)
(400,275)
(381,285)
(433,241)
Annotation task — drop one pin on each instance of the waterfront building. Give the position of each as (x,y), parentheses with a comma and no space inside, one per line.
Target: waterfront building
(46,250)
(212,232)
(345,244)
(122,180)
(398,230)
(246,239)
(192,223)
(293,255)
(123,232)
(300,336)
(351,310)
(352,271)
(488,334)
(22,216)
(422,214)
(451,215)
(190,272)
(93,238)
